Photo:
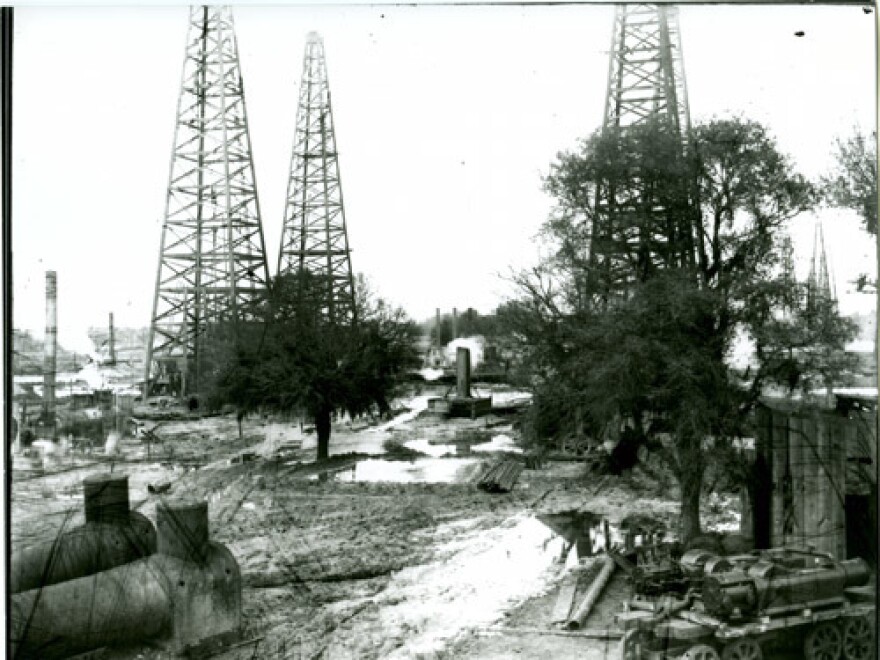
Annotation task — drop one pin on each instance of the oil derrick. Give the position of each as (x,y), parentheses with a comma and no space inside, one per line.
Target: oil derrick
(646,86)
(212,260)
(819,285)
(791,299)
(314,239)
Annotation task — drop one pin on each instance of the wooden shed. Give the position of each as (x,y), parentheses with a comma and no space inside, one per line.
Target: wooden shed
(814,478)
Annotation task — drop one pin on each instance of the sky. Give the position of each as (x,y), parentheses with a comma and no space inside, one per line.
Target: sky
(446,120)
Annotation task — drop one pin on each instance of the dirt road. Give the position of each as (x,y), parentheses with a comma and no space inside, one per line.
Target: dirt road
(337,567)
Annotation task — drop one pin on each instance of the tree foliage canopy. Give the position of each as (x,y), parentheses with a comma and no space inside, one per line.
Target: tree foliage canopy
(291,359)
(641,329)
(853,184)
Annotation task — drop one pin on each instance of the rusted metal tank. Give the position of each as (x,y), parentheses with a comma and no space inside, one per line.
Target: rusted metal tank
(768,588)
(111,536)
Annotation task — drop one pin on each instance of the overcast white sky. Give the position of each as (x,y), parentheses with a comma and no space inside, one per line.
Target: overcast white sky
(446,119)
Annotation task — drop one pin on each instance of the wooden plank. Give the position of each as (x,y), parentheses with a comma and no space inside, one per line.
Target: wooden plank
(810,461)
(824,533)
(565,598)
(837,498)
(589,633)
(796,465)
(777,463)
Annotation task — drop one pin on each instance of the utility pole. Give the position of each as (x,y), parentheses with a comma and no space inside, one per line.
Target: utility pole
(212,260)
(315,238)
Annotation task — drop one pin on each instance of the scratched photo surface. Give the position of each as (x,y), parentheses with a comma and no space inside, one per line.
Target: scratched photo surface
(443,331)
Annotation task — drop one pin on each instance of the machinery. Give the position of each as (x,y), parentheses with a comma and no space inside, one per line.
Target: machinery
(745,606)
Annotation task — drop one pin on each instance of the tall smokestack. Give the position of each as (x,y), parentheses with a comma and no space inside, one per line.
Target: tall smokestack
(437,326)
(463,372)
(454,323)
(112,342)
(50,345)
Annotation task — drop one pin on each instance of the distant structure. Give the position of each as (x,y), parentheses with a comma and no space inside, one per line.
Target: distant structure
(112,344)
(646,84)
(819,282)
(50,348)
(314,238)
(791,301)
(212,260)
(646,72)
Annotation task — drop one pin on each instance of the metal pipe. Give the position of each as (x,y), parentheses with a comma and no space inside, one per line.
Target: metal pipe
(583,611)
(49,353)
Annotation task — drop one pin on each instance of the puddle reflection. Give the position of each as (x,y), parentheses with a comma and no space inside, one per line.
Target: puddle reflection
(421,470)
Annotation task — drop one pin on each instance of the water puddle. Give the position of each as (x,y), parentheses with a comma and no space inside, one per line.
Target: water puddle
(420,470)
(424,446)
(498,443)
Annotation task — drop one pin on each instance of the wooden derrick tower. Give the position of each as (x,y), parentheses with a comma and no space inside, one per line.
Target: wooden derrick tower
(314,239)
(646,85)
(820,286)
(212,259)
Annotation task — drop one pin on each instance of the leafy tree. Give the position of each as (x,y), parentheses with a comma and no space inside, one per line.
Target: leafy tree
(853,184)
(301,362)
(644,337)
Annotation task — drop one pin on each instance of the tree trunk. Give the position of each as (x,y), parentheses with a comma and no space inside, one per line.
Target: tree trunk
(322,428)
(689,525)
(690,478)
(384,408)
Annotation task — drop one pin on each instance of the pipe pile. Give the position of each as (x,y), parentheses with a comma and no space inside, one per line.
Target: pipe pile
(501,477)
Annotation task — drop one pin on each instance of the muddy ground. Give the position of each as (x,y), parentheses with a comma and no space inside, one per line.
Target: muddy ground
(336,564)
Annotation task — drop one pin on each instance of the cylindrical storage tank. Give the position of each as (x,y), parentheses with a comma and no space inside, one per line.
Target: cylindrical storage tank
(463,372)
(182,529)
(123,605)
(106,497)
(88,549)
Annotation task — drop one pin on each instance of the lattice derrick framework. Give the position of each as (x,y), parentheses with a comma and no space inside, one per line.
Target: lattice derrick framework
(819,284)
(646,71)
(212,262)
(633,229)
(315,237)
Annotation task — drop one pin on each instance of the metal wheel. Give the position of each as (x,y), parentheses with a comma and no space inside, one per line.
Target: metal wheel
(700,652)
(742,649)
(824,642)
(631,646)
(858,639)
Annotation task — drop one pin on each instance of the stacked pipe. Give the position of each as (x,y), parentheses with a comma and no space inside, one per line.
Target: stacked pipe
(190,589)
(111,536)
(501,477)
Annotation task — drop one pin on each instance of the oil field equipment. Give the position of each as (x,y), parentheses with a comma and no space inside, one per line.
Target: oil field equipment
(742,607)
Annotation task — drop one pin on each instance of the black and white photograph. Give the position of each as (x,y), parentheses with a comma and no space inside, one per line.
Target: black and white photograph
(440,330)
